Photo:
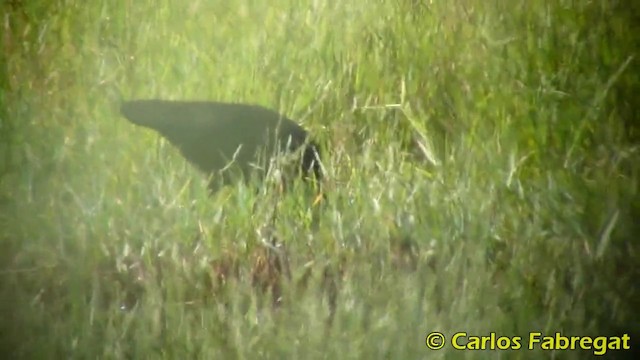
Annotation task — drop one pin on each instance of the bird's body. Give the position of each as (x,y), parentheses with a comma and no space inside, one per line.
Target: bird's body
(226,138)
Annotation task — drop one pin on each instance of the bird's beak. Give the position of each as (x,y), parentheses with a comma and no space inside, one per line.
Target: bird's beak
(318,199)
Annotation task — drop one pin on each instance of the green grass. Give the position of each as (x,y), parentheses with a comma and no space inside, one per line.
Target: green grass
(482,161)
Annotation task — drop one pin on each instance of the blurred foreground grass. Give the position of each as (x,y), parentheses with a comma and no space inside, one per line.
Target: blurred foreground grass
(482,157)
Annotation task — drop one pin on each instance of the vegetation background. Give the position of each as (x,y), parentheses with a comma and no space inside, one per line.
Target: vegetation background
(482,160)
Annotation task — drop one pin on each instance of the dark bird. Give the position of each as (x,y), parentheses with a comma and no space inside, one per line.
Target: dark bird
(226,139)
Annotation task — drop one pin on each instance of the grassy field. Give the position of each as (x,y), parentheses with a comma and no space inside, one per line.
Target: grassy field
(482,163)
